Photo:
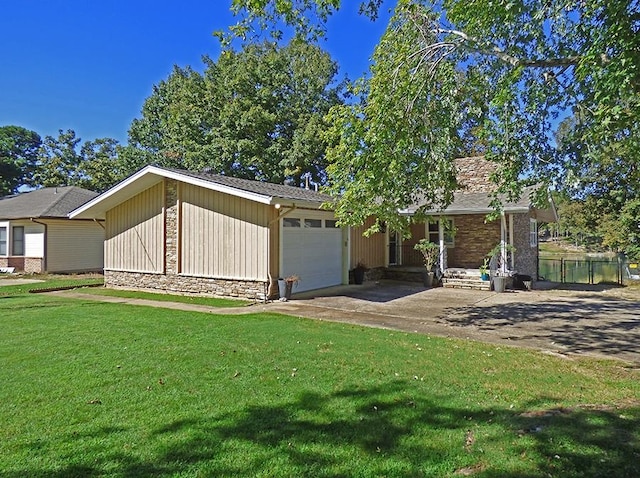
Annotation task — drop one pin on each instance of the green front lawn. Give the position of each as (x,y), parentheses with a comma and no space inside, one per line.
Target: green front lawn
(97,389)
(160,297)
(47,282)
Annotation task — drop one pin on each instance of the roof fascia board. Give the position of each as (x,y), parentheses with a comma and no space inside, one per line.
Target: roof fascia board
(112,191)
(211,185)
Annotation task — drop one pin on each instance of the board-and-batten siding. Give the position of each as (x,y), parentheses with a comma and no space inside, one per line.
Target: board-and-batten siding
(223,236)
(135,233)
(368,250)
(74,245)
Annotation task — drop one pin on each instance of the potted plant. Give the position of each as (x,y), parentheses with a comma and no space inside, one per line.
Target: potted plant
(501,274)
(285,286)
(484,269)
(430,252)
(358,272)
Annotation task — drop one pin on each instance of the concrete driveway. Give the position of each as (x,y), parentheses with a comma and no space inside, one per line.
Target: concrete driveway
(580,320)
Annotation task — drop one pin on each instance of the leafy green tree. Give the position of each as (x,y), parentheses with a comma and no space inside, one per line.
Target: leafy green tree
(257,113)
(101,165)
(66,161)
(529,62)
(394,146)
(18,156)
(174,126)
(59,161)
(630,226)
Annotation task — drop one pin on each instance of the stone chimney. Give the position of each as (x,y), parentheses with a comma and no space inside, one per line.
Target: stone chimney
(474,174)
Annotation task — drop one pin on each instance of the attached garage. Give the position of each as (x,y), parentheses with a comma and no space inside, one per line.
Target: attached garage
(312,249)
(210,234)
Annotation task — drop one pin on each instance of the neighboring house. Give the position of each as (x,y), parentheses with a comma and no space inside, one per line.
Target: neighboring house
(175,230)
(37,236)
(462,230)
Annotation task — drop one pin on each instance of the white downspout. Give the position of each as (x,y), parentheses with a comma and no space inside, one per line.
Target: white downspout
(443,266)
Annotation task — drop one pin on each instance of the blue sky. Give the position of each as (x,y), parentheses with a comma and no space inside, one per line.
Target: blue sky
(88,65)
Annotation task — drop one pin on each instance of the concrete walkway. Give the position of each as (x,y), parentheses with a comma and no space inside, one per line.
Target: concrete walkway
(595,321)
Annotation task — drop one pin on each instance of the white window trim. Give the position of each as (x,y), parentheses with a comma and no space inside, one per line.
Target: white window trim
(6,239)
(13,241)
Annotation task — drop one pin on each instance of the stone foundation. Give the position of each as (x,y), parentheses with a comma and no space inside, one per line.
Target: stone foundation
(30,265)
(373,274)
(186,285)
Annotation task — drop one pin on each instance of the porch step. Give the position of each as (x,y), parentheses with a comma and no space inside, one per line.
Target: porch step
(466,283)
(464,279)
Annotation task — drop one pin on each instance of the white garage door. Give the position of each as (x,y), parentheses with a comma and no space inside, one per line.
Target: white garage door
(312,250)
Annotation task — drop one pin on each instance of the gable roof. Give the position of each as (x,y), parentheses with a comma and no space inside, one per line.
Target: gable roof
(270,190)
(265,193)
(44,203)
(480,203)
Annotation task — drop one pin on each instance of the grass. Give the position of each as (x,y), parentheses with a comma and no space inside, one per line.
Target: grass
(87,284)
(160,297)
(97,389)
(46,281)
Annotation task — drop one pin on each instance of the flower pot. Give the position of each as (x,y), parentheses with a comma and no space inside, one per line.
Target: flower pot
(499,283)
(427,278)
(358,275)
(484,276)
(282,288)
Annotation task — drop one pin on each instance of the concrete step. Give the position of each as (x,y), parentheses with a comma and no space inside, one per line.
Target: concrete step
(466,283)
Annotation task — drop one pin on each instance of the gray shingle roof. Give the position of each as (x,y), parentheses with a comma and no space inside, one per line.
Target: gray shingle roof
(257,187)
(44,203)
(480,202)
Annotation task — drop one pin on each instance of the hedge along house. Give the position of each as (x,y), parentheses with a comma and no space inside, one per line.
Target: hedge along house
(185,232)
(36,234)
(462,231)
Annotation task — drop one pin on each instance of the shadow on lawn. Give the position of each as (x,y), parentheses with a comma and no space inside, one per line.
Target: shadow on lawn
(607,327)
(389,434)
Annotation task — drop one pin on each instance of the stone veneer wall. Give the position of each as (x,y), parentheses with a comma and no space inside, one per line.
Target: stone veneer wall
(173,283)
(171,226)
(474,174)
(525,255)
(171,280)
(473,240)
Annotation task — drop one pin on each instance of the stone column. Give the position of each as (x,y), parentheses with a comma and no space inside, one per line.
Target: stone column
(171,226)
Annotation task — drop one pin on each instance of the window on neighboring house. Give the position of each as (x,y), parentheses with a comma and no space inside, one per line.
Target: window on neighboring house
(3,241)
(533,232)
(18,241)
(434,233)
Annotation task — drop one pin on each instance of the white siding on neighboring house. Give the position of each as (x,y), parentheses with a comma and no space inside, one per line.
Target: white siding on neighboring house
(222,236)
(135,233)
(74,245)
(33,237)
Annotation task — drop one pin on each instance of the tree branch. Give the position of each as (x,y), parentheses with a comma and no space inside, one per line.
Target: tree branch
(494,50)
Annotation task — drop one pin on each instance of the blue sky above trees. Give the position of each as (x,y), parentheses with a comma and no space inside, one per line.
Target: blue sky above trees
(88,66)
